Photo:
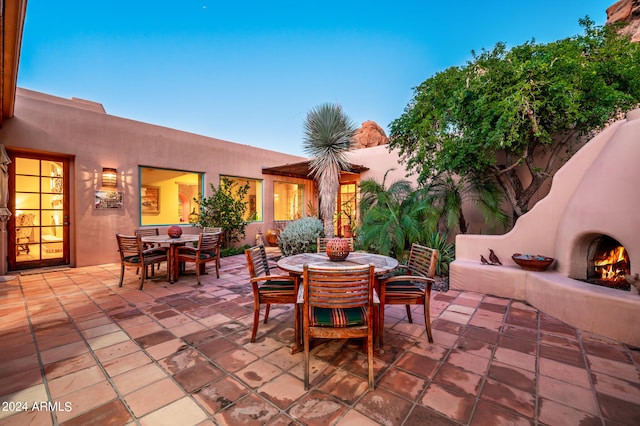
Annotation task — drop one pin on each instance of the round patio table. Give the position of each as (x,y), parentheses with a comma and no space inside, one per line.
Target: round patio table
(295,265)
(173,243)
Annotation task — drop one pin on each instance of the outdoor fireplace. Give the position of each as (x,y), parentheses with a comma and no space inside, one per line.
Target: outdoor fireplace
(608,263)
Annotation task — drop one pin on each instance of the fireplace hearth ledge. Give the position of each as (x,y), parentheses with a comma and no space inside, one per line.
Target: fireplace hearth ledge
(608,312)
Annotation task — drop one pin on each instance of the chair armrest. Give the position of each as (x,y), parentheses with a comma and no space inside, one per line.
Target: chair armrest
(188,249)
(155,250)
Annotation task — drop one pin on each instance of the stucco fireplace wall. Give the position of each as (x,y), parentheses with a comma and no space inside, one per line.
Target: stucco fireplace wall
(596,193)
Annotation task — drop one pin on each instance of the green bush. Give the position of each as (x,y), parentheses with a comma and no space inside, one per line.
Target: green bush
(300,236)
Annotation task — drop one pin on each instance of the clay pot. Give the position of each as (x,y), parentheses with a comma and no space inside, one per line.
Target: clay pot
(272,237)
(337,249)
(174,231)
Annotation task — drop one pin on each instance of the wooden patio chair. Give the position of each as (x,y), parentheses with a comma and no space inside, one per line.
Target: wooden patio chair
(207,250)
(213,230)
(321,244)
(412,288)
(269,289)
(147,232)
(338,304)
(133,253)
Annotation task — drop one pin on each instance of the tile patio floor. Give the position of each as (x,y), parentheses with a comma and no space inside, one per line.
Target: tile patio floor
(76,349)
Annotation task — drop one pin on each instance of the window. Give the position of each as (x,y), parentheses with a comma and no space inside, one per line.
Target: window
(253,199)
(167,196)
(288,201)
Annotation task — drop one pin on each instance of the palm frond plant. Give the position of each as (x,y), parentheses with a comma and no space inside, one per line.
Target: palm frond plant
(328,137)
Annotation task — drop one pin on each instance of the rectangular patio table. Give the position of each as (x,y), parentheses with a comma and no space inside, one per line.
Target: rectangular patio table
(173,243)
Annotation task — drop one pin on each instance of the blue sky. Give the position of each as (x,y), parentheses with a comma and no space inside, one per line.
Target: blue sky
(249,71)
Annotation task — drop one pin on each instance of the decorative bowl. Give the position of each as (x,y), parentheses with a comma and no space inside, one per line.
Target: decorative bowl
(338,249)
(532,262)
(174,231)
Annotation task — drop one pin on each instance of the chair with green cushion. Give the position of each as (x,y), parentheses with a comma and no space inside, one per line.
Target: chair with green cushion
(269,289)
(412,288)
(338,304)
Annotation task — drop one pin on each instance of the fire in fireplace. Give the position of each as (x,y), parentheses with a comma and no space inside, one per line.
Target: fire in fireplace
(608,263)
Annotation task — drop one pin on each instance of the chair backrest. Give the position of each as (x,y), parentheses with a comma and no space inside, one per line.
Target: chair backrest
(128,246)
(422,261)
(322,244)
(209,242)
(22,221)
(211,230)
(257,261)
(147,232)
(346,287)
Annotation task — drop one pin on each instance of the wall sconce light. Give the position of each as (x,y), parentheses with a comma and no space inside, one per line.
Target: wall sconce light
(109,177)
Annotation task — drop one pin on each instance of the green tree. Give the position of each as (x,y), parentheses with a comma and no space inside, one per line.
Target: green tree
(328,137)
(516,116)
(225,208)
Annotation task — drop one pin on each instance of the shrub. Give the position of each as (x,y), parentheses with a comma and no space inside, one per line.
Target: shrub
(447,252)
(300,236)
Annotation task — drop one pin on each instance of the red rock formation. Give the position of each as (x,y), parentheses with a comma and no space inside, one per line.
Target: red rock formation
(626,11)
(370,134)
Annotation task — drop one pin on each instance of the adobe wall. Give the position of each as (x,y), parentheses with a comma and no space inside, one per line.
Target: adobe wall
(93,140)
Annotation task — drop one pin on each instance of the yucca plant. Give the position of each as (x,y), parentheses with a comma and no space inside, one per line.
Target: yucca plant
(328,136)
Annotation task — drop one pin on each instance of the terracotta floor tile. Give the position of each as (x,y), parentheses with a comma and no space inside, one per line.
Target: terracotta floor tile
(403,383)
(166,349)
(258,373)
(20,380)
(138,377)
(63,352)
(128,362)
(520,345)
(554,413)
(384,407)
(154,396)
(515,359)
(619,410)
(619,388)
(513,376)
(181,412)
(480,334)
(219,395)
(468,361)
(86,399)
(250,410)
(285,389)
(567,394)
(458,379)
(352,418)
(106,340)
(567,355)
(421,416)
(507,396)
(621,370)
(75,381)
(491,414)
(235,359)
(116,351)
(475,347)
(419,364)
(565,372)
(452,404)
(188,357)
(197,376)
(113,412)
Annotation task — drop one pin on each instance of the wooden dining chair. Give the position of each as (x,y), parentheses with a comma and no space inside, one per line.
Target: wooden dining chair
(411,288)
(213,230)
(322,244)
(338,304)
(133,253)
(269,289)
(207,250)
(148,232)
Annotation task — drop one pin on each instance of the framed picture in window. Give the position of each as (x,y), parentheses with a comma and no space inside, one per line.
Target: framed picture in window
(150,199)
(108,200)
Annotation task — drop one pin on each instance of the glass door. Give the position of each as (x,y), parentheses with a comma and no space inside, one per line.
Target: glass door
(39,226)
